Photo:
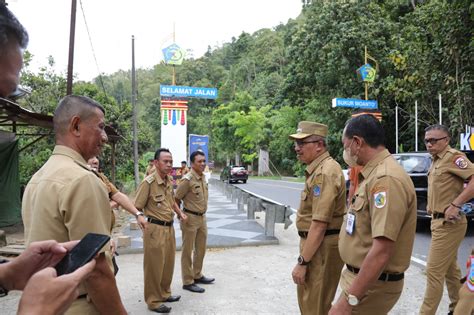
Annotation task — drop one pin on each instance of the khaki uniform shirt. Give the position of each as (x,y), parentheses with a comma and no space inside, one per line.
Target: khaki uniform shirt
(193,191)
(384,206)
(324,194)
(156,197)
(449,170)
(64,200)
(111,189)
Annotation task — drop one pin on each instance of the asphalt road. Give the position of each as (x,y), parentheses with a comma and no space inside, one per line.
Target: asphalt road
(288,193)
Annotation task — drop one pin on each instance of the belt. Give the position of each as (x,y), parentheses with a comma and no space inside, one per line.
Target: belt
(193,212)
(304,234)
(438,215)
(383,277)
(159,222)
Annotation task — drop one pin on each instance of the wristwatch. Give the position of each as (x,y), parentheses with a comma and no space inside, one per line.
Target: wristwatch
(138,214)
(351,299)
(302,262)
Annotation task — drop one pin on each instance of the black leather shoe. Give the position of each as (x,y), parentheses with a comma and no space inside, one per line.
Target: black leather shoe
(193,288)
(173,298)
(204,280)
(162,309)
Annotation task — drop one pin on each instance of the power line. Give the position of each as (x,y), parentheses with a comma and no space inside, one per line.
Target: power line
(93,51)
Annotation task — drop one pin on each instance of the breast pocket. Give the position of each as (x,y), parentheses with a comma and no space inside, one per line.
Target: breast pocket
(197,191)
(158,200)
(358,203)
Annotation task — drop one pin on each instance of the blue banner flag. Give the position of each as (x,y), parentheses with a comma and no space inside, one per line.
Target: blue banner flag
(199,143)
(354,103)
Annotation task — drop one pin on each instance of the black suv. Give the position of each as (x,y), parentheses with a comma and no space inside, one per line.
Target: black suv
(417,165)
(234,173)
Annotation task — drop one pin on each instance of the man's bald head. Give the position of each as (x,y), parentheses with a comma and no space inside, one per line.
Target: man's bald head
(70,106)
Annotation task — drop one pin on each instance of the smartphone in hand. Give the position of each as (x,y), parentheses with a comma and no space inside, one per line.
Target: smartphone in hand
(82,253)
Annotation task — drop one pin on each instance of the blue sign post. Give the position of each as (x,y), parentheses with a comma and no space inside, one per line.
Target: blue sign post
(188,91)
(199,143)
(354,103)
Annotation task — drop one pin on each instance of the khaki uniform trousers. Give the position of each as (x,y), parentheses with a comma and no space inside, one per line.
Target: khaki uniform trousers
(159,246)
(442,264)
(465,304)
(322,278)
(379,299)
(194,234)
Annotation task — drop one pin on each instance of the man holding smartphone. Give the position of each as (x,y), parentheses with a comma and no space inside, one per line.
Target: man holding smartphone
(65,200)
(43,291)
(155,196)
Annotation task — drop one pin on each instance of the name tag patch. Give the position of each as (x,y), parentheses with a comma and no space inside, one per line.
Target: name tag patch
(350,223)
(317,191)
(380,199)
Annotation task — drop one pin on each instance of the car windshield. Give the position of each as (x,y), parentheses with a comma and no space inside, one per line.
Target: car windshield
(238,168)
(413,163)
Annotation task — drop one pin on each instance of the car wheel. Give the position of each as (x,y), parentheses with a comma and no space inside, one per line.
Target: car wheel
(245,181)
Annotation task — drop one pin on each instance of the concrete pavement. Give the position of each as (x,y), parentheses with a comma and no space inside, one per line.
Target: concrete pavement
(249,279)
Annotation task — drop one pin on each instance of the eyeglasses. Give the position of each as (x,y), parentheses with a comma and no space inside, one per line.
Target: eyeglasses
(302,143)
(433,140)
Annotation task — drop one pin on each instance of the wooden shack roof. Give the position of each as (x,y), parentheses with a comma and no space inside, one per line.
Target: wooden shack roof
(12,114)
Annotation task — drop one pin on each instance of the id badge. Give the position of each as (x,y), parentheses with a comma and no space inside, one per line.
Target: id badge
(350,223)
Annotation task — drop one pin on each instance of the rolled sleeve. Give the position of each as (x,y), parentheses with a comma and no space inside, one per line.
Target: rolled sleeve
(141,196)
(387,207)
(324,194)
(182,189)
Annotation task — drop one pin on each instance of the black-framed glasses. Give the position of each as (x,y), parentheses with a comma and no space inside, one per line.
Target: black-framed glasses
(433,140)
(302,143)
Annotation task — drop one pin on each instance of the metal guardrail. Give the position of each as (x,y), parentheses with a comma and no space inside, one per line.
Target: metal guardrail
(275,212)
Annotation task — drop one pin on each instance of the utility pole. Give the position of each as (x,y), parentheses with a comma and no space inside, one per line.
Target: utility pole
(71,47)
(134,106)
(173,80)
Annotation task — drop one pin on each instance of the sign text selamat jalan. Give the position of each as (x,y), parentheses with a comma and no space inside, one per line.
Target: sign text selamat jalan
(188,91)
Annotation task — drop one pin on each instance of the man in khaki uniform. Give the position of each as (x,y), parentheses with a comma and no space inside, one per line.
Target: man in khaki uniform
(378,232)
(116,197)
(150,168)
(155,196)
(192,190)
(446,195)
(64,200)
(319,220)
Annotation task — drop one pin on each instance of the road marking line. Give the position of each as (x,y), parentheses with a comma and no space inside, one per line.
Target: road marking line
(418,261)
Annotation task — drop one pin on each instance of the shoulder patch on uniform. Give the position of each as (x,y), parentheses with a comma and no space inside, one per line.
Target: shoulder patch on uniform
(380,199)
(317,191)
(150,178)
(188,176)
(460,161)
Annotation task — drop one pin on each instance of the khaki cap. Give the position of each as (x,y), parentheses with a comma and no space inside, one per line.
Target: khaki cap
(308,128)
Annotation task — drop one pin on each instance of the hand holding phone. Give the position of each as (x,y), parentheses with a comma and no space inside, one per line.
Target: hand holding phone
(82,253)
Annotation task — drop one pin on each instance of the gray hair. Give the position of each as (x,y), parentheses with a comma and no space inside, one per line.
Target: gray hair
(73,105)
